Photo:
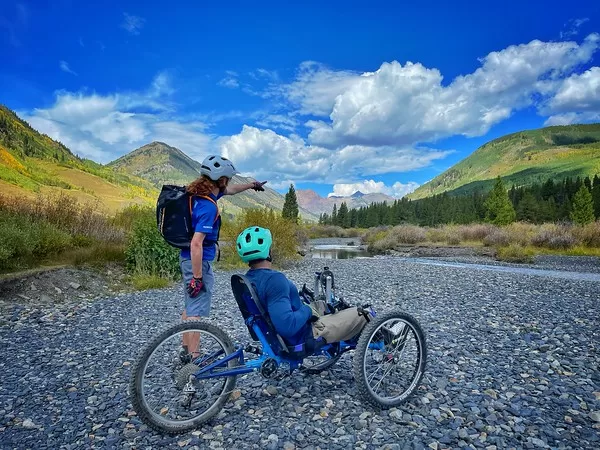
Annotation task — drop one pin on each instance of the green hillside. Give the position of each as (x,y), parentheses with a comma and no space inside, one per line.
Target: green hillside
(522,159)
(31,162)
(158,163)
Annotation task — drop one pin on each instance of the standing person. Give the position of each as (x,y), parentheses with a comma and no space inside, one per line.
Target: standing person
(196,263)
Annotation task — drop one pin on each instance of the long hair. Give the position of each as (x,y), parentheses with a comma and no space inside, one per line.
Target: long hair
(201,186)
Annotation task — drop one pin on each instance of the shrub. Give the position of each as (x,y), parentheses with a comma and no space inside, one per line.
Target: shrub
(374,234)
(24,240)
(129,216)
(436,234)
(383,239)
(521,232)
(408,234)
(382,245)
(285,233)
(49,240)
(475,232)
(66,214)
(497,238)
(554,237)
(562,242)
(453,238)
(515,253)
(147,252)
(301,236)
(588,235)
(446,233)
(316,231)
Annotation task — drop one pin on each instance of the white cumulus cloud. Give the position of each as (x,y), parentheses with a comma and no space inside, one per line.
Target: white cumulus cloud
(397,190)
(266,154)
(405,104)
(315,88)
(572,118)
(579,92)
(104,127)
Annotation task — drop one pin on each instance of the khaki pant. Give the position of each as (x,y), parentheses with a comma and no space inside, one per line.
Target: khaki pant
(340,326)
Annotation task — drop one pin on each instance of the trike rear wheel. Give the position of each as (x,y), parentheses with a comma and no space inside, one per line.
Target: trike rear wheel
(390,359)
(163,390)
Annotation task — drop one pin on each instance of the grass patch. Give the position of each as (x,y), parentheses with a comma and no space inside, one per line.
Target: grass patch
(315,231)
(515,253)
(142,282)
(577,250)
(96,254)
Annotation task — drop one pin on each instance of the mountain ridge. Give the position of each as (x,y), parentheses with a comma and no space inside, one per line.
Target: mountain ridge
(522,158)
(311,200)
(161,164)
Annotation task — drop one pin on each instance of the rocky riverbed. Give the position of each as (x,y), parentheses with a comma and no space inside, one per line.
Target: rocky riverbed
(513,363)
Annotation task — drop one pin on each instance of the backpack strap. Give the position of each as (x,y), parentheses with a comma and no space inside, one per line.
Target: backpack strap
(214,203)
(215,221)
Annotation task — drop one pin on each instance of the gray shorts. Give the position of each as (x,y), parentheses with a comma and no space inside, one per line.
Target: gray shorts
(199,306)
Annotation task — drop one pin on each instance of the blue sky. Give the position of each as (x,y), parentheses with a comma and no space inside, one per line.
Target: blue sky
(375,96)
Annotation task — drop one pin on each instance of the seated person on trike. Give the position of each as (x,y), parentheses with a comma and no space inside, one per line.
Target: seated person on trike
(294,320)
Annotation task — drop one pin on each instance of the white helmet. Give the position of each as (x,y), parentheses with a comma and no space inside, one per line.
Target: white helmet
(215,167)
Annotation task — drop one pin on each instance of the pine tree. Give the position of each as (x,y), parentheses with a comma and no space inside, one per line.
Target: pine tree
(528,209)
(342,216)
(583,206)
(290,205)
(372,219)
(499,209)
(334,220)
(353,218)
(596,196)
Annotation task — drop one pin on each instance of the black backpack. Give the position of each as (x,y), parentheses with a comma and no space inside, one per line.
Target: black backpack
(174,216)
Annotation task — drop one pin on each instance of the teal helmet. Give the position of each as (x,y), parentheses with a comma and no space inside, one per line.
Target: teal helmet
(254,243)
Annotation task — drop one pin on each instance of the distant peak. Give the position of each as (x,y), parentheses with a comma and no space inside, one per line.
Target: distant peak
(157,143)
(357,194)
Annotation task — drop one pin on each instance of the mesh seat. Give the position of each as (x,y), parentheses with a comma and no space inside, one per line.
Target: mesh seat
(254,313)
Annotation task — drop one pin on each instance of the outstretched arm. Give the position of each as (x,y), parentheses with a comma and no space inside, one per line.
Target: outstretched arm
(237,188)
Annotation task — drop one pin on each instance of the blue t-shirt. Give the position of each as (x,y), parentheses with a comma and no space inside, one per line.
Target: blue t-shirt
(279,296)
(204,213)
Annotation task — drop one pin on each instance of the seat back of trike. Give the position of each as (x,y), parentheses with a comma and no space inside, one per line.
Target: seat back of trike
(255,314)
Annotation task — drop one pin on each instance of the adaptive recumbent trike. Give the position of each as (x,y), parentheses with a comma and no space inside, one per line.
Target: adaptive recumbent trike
(175,392)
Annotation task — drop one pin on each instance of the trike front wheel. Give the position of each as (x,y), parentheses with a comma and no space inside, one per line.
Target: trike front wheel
(390,359)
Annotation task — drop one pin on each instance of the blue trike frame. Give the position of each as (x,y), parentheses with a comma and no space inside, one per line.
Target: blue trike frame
(274,349)
(215,368)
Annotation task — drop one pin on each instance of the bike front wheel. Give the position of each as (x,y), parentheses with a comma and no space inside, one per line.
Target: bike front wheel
(390,359)
(163,389)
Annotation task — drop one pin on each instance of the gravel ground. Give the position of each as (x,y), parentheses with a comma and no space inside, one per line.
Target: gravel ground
(513,363)
(583,264)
